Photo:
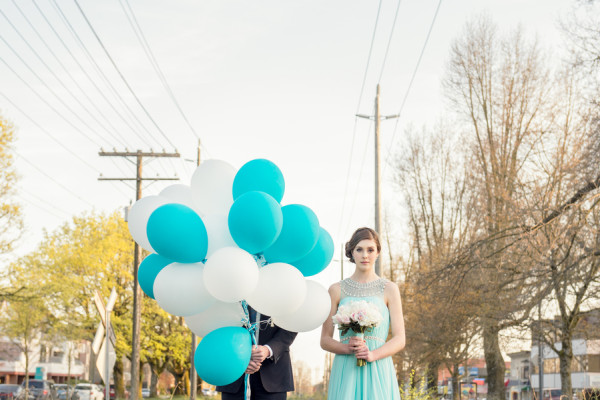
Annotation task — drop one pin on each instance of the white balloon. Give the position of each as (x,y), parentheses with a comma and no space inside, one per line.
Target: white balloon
(281,290)
(217,229)
(212,185)
(218,315)
(180,290)
(311,314)
(230,274)
(179,193)
(138,216)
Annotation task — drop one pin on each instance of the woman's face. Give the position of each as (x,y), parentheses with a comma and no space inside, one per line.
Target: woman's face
(365,253)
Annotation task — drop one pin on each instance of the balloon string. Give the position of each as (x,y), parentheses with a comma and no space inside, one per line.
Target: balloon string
(260,260)
(251,327)
(252,330)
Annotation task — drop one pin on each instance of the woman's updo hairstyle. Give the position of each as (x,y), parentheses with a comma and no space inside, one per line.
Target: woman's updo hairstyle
(357,236)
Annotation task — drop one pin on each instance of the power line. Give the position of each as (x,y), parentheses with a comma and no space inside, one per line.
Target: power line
(52,179)
(387,49)
(40,127)
(47,103)
(362,166)
(67,73)
(43,208)
(96,67)
(45,203)
(412,79)
(48,133)
(110,104)
(119,139)
(142,38)
(362,88)
(120,74)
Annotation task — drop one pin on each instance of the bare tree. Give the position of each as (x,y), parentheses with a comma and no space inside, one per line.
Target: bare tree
(432,178)
(566,249)
(500,89)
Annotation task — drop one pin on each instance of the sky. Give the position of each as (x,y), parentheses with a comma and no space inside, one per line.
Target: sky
(274,79)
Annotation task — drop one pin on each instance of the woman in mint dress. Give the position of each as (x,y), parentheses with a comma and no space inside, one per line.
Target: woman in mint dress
(377,379)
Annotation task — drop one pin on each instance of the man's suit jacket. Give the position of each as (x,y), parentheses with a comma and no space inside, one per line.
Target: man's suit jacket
(276,373)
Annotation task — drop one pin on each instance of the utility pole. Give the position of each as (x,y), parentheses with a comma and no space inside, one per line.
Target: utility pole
(377,118)
(540,355)
(193,375)
(137,255)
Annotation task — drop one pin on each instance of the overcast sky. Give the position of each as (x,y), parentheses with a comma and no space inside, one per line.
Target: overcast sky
(274,79)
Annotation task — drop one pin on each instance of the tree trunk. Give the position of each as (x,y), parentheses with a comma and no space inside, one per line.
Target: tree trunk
(179,382)
(455,388)
(566,357)
(432,375)
(69,355)
(118,379)
(186,382)
(153,383)
(494,362)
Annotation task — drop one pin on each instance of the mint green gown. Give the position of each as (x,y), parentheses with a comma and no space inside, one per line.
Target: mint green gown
(376,380)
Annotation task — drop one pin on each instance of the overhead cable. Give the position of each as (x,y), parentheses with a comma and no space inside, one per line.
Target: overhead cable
(121,75)
(142,38)
(36,53)
(399,113)
(362,88)
(387,49)
(97,68)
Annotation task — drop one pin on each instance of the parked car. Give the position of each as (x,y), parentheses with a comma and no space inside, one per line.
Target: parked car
(113,394)
(63,390)
(89,391)
(40,389)
(145,393)
(10,392)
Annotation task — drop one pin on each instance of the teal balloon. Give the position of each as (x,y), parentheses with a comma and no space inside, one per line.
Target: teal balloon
(223,355)
(255,221)
(149,269)
(259,175)
(319,257)
(298,236)
(176,232)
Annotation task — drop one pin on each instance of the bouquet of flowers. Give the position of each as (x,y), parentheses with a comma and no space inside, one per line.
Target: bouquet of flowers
(358,316)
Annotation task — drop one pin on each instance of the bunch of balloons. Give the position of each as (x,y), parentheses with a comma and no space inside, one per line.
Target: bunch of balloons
(225,239)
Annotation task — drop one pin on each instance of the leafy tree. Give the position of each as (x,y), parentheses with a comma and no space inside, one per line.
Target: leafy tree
(11,222)
(165,342)
(179,358)
(92,253)
(26,319)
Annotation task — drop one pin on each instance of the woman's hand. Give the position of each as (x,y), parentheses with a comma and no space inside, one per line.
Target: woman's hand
(361,350)
(355,343)
(365,354)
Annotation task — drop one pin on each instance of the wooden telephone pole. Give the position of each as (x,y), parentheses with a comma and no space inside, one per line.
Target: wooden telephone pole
(137,255)
(377,118)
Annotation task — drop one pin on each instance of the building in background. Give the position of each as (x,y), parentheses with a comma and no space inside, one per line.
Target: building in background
(519,383)
(45,361)
(585,367)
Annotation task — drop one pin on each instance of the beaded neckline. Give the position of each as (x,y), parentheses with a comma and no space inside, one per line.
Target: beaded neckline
(352,288)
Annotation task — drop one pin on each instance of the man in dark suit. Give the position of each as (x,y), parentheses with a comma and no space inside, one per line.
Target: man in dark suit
(270,366)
